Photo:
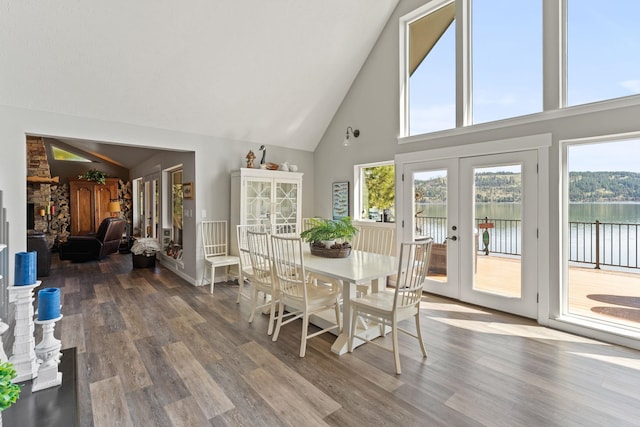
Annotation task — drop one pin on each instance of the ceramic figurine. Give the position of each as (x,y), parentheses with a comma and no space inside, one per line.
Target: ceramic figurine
(264,154)
(250,158)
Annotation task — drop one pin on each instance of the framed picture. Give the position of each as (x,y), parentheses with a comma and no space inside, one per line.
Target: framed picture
(340,199)
(187,190)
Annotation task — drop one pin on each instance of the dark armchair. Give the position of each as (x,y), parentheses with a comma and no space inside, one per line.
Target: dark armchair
(106,241)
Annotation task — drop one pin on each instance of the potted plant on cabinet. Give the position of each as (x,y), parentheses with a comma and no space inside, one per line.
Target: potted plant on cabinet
(330,238)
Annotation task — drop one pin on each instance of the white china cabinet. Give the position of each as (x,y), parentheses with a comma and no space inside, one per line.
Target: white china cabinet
(270,198)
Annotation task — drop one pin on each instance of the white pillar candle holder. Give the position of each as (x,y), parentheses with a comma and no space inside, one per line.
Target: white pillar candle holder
(48,353)
(24,356)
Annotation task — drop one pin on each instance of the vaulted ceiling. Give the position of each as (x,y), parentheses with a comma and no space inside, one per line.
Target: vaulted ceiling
(270,72)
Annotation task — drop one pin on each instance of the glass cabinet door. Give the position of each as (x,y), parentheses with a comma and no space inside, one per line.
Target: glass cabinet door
(285,216)
(258,202)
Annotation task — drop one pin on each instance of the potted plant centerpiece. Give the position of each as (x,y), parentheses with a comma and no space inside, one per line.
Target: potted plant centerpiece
(330,237)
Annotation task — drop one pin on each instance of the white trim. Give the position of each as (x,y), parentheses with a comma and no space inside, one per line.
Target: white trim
(357,174)
(595,107)
(478,149)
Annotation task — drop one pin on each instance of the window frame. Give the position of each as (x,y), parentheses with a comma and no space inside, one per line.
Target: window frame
(358,170)
(554,78)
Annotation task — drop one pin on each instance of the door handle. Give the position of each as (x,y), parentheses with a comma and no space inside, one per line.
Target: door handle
(454,238)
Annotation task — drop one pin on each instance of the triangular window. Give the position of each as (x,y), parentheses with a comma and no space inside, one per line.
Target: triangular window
(60,154)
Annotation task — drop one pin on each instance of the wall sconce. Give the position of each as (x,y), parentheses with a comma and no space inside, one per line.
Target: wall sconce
(347,138)
(114,207)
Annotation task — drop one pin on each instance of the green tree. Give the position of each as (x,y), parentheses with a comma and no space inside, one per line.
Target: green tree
(381,186)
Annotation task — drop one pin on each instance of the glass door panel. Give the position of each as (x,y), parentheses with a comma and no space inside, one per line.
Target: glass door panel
(434,214)
(498,232)
(497,193)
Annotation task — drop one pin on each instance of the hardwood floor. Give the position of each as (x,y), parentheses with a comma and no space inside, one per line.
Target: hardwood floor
(156,351)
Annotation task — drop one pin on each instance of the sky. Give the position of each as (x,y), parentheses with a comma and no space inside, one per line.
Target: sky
(603,62)
(611,156)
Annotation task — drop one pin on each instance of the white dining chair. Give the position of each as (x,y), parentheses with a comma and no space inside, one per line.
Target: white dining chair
(373,239)
(246,271)
(262,279)
(215,247)
(389,308)
(300,296)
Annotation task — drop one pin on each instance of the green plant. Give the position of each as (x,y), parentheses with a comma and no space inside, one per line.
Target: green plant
(94,175)
(9,392)
(329,229)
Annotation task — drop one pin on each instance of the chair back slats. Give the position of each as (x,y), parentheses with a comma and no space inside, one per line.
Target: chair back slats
(412,271)
(214,238)
(260,256)
(374,239)
(289,266)
(242,241)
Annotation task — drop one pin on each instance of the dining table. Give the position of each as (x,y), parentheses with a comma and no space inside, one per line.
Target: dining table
(358,267)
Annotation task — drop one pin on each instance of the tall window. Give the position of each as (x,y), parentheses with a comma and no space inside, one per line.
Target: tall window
(603,50)
(432,71)
(506,38)
(376,192)
(602,232)
(475,61)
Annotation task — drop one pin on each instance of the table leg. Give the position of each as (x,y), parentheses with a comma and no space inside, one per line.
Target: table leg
(348,291)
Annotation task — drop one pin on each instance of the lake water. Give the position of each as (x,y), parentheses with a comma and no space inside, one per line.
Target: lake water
(620,243)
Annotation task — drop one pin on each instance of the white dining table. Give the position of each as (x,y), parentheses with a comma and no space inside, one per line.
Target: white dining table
(358,267)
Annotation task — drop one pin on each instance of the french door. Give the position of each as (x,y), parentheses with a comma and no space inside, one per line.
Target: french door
(481,212)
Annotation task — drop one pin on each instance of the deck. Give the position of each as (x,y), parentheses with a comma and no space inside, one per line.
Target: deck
(603,294)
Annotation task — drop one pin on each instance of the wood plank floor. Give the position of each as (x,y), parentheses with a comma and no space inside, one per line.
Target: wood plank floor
(156,351)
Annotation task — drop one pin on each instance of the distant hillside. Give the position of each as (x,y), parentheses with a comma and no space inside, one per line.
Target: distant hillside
(504,187)
(604,187)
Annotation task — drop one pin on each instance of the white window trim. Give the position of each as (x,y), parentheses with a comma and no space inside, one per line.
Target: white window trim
(554,85)
(357,185)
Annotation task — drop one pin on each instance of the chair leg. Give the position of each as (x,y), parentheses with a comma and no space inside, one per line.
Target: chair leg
(254,303)
(396,351)
(419,334)
(272,315)
(340,326)
(279,322)
(303,337)
(240,286)
(213,277)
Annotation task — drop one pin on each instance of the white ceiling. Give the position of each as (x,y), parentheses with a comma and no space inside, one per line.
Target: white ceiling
(269,72)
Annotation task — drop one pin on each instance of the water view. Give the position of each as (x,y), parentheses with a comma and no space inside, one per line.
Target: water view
(617,231)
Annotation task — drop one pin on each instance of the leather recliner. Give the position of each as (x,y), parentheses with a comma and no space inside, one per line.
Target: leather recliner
(106,241)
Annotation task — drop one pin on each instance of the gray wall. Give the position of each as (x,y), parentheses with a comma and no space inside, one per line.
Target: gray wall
(214,160)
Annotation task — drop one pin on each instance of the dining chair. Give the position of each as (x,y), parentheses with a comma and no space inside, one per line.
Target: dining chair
(262,279)
(388,308)
(306,224)
(373,239)
(246,271)
(299,295)
(215,247)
